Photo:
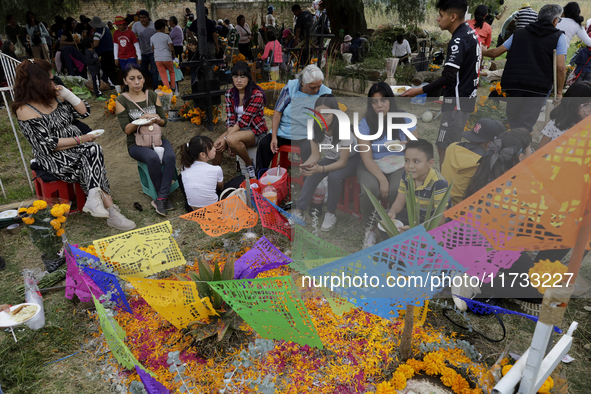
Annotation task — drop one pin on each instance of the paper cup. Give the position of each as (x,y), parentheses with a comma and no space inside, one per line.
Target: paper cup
(160,151)
(118,88)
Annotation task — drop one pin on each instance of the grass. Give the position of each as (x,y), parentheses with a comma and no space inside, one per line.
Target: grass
(12,172)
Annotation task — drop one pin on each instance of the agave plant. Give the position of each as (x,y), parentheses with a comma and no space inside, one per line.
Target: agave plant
(414,219)
(227,319)
(412,207)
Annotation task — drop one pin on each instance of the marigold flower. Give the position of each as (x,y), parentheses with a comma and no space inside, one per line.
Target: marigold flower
(65,208)
(28,220)
(32,210)
(459,384)
(57,211)
(60,232)
(56,225)
(416,365)
(433,363)
(547,386)
(40,204)
(61,219)
(385,388)
(506,369)
(406,370)
(22,210)
(398,381)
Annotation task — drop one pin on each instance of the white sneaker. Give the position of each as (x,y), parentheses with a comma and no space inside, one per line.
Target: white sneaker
(118,221)
(465,290)
(296,218)
(94,204)
(370,239)
(330,220)
(251,172)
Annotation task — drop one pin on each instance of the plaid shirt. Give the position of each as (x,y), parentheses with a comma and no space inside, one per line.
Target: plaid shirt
(253,116)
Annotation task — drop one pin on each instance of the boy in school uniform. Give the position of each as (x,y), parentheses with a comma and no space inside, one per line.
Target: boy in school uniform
(418,168)
(459,78)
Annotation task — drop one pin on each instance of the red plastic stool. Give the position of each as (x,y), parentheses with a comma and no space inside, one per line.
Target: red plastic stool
(60,189)
(351,193)
(285,162)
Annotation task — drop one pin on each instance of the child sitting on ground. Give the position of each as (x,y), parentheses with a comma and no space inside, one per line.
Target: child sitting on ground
(201,180)
(94,68)
(418,167)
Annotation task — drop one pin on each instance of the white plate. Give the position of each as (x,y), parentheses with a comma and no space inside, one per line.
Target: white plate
(397,223)
(140,122)
(11,213)
(394,88)
(98,132)
(6,320)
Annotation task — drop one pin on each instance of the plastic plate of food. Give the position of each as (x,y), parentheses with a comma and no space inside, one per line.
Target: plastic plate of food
(97,133)
(397,223)
(11,213)
(398,90)
(19,314)
(141,121)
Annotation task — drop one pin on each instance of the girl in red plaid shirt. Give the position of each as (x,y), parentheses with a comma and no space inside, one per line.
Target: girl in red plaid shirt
(245,118)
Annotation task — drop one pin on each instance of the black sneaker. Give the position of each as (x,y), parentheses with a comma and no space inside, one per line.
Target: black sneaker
(160,206)
(169,205)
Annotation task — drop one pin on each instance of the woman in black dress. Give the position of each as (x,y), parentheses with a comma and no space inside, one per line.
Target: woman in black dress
(45,113)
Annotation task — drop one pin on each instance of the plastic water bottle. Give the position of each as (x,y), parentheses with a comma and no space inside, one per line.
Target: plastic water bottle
(317,200)
(270,193)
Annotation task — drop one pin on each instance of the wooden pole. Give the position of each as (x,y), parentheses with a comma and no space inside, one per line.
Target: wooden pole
(555,74)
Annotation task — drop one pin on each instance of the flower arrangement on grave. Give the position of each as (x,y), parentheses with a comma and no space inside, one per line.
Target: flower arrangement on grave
(46,226)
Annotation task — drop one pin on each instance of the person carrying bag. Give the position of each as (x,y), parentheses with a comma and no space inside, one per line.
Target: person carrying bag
(148,135)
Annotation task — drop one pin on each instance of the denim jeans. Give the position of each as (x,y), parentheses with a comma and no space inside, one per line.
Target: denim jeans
(148,61)
(125,62)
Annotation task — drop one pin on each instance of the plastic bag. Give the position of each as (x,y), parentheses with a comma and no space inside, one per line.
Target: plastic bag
(19,51)
(33,295)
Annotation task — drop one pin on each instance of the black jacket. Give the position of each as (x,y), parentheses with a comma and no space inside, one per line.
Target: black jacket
(529,64)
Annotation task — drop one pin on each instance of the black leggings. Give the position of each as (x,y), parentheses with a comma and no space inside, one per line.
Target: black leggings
(161,177)
(108,66)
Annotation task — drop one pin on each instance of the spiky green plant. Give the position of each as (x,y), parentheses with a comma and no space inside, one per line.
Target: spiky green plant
(414,219)
(227,319)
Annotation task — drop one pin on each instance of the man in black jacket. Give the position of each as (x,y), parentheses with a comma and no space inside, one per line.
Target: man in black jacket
(529,75)
(459,78)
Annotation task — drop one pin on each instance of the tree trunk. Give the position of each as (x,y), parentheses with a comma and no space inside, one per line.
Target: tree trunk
(347,15)
(406,339)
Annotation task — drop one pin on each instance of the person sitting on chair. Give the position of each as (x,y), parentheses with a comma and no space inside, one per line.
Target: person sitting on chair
(132,105)
(45,113)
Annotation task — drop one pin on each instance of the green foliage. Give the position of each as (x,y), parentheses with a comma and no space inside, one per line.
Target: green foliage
(256,351)
(176,365)
(352,75)
(45,10)
(137,387)
(404,74)
(412,207)
(227,320)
